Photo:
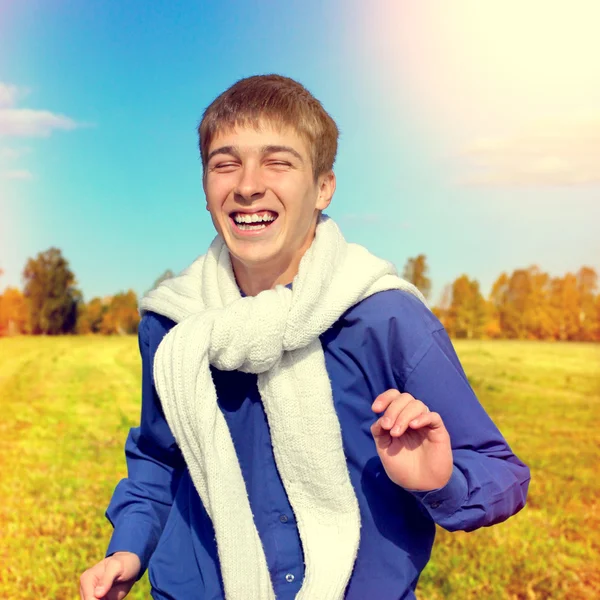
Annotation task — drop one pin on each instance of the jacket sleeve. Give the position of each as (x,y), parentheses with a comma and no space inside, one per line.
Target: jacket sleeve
(141,502)
(489,483)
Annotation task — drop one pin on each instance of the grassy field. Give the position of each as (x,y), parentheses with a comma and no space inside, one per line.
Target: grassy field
(67,404)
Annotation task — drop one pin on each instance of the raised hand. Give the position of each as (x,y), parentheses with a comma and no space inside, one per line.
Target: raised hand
(412,442)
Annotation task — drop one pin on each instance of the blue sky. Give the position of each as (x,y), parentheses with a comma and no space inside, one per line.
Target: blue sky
(99,104)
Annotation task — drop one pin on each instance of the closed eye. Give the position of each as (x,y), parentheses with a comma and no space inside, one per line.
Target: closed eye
(279,163)
(224,165)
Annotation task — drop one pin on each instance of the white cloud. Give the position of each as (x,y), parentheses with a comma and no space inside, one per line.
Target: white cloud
(32,123)
(17,174)
(25,122)
(565,152)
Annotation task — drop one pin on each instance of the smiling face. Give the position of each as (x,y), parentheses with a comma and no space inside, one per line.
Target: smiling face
(264,201)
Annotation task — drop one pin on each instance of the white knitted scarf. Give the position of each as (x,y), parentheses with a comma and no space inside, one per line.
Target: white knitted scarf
(276,335)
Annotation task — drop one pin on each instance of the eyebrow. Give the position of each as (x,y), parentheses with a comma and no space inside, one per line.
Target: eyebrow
(233,151)
(273,149)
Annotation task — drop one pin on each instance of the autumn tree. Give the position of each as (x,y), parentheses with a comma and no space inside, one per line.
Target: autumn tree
(565,302)
(587,283)
(517,296)
(415,271)
(14,312)
(467,315)
(539,320)
(51,292)
(91,315)
(122,315)
(492,329)
(497,302)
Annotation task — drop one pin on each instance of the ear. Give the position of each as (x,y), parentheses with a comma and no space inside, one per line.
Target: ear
(326,185)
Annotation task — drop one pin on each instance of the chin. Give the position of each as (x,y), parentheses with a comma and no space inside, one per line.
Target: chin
(255,260)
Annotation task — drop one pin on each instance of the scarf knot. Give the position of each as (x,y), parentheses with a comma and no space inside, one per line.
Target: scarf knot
(250,334)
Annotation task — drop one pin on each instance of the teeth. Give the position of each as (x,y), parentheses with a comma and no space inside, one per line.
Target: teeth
(245,227)
(254,218)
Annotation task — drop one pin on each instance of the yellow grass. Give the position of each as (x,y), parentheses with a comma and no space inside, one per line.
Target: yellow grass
(67,404)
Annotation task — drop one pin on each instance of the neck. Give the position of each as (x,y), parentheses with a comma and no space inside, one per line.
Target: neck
(254,279)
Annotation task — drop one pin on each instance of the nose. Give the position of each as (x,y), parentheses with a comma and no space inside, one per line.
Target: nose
(250,185)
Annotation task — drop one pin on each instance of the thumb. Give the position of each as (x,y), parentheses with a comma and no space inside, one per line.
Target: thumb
(112,570)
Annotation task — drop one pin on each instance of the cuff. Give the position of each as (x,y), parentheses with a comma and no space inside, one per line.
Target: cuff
(133,536)
(445,501)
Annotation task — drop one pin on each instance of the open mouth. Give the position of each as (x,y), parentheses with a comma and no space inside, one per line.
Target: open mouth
(255,221)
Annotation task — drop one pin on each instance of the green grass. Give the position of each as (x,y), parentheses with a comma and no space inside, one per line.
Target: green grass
(67,404)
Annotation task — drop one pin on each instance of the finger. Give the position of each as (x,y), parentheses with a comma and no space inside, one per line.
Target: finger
(113,569)
(393,409)
(380,435)
(432,420)
(385,399)
(411,411)
(87,583)
(396,409)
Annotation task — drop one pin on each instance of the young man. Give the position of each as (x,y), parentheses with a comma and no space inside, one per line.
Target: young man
(305,419)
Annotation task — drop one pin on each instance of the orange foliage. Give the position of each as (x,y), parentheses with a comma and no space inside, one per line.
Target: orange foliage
(14,313)
(121,315)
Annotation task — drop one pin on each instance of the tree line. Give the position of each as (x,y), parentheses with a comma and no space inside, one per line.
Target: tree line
(51,304)
(525,304)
